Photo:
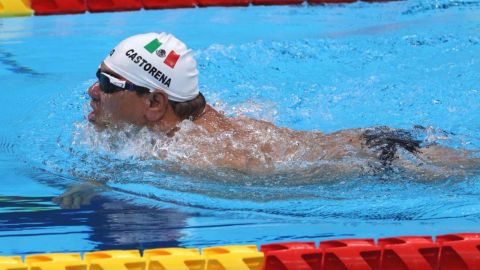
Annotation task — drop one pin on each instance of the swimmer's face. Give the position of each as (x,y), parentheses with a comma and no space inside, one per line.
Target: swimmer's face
(116,108)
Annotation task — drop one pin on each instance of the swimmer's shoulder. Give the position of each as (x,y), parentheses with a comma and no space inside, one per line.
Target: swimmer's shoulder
(213,120)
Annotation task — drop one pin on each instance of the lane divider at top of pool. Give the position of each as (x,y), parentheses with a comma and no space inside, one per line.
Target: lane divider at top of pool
(452,251)
(12,8)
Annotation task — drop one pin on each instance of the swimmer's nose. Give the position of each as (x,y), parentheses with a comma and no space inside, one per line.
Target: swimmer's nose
(94,91)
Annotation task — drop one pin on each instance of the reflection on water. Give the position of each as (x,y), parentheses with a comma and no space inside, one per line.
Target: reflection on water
(106,223)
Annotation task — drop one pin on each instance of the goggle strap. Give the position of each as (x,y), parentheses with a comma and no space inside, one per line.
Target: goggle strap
(115,81)
(122,83)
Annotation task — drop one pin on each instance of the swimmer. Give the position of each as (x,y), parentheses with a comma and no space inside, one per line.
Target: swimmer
(151,80)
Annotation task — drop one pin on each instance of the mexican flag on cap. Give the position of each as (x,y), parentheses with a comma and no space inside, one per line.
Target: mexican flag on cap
(172,57)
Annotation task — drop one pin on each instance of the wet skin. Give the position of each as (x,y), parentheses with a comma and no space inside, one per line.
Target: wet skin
(115,108)
(258,147)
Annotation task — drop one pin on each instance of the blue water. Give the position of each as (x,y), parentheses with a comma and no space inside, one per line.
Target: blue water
(323,68)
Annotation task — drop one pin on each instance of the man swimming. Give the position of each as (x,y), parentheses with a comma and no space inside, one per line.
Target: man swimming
(151,80)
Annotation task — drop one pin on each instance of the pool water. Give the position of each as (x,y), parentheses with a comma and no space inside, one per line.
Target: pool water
(313,68)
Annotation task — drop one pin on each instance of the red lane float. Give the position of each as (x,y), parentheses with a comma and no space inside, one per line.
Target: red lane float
(359,254)
(292,256)
(459,251)
(49,7)
(277,2)
(374,1)
(409,253)
(113,5)
(448,252)
(155,4)
(330,1)
(225,3)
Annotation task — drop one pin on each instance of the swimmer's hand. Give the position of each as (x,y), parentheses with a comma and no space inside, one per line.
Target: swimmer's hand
(76,196)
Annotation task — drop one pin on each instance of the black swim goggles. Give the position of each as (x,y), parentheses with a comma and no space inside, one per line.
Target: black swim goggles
(110,84)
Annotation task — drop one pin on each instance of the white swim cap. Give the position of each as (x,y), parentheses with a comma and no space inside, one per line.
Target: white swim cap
(157,61)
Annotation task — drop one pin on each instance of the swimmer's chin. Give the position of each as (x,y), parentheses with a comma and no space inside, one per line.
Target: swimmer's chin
(100,124)
(97,123)
(91,117)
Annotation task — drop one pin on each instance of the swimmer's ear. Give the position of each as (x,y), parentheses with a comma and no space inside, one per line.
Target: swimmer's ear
(157,103)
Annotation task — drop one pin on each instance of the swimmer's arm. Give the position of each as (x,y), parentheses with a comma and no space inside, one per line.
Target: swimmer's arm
(447,156)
